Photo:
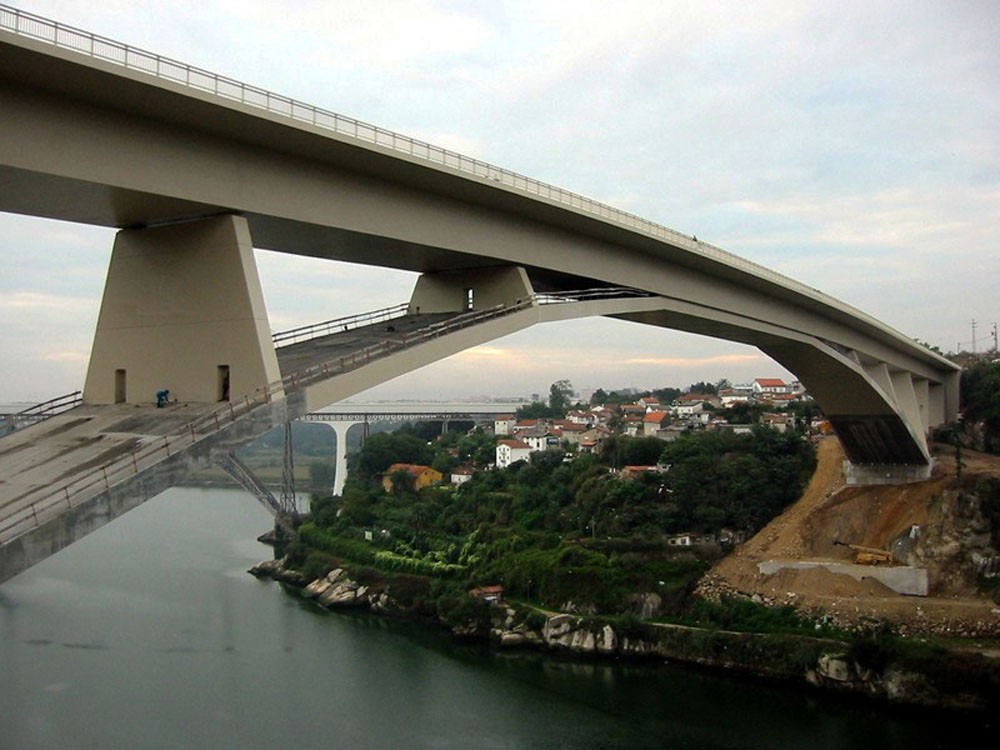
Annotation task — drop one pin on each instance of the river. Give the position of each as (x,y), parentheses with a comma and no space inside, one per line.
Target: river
(150,634)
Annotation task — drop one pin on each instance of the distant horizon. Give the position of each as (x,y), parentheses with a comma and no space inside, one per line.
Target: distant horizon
(527,398)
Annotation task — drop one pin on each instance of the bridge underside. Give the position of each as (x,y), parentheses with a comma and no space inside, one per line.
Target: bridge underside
(183,310)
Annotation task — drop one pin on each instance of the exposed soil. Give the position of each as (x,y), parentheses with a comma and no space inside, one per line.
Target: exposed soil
(929,524)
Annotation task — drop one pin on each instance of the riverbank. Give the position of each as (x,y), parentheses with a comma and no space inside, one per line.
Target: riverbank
(873,664)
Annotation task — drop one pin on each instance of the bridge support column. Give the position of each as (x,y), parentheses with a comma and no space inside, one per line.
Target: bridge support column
(340,429)
(473,289)
(182,310)
(876,412)
(340,470)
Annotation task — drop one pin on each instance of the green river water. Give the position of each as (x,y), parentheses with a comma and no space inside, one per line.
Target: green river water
(151,634)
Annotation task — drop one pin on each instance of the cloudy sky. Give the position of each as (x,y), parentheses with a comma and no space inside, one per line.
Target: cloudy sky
(854,146)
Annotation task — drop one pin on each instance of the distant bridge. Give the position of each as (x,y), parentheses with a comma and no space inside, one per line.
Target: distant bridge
(196,170)
(366,414)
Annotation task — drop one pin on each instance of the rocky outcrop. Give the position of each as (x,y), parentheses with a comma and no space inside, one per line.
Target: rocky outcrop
(646,606)
(278,570)
(561,632)
(579,635)
(336,590)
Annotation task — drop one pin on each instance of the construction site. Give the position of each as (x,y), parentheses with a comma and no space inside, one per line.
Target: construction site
(920,556)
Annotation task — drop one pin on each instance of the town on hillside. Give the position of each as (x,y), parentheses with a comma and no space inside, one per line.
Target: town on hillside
(580,429)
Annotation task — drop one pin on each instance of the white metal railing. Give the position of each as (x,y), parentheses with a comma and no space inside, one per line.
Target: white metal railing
(107,50)
(338,325)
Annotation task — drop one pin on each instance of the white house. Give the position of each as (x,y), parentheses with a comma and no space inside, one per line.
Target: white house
(503,424)
(687,408)
(541,439)
(768,387)
(461,475)
(780,422)
(736,395)
(509,451)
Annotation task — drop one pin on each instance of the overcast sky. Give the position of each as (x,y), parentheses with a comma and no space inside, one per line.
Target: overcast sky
(854,146)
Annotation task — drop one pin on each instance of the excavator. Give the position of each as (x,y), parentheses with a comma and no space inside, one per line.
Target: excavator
(869,555)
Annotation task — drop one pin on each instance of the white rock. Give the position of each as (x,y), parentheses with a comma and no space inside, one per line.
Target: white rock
(607,641)
(316,588)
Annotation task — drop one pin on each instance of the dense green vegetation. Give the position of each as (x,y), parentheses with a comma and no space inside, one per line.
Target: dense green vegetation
(980,403)
(558,529)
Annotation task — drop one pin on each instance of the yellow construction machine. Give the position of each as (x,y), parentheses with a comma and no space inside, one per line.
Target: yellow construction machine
(869,555)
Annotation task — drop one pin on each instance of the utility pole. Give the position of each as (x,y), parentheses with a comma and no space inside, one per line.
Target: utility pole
(995,348)
(973,335)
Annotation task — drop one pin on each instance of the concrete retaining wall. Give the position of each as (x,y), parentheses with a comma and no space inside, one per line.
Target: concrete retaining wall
(901,579)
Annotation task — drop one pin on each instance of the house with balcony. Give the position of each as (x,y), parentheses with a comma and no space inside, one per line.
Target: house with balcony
(510,451)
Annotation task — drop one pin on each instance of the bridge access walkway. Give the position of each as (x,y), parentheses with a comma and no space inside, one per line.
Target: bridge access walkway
(66,476)
(343,345)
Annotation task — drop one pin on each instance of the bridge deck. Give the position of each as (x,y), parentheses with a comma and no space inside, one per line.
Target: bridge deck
(65,451)
(306,355)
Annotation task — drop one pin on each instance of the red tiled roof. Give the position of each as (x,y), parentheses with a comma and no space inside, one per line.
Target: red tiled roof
(414,469)
(515,444)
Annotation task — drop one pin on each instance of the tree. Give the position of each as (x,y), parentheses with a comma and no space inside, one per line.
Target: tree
(561,396)
(667,395)
(534,410)
(702,387)
(980,397)
(641,451)
(744,413)
(401,481)
(382,451)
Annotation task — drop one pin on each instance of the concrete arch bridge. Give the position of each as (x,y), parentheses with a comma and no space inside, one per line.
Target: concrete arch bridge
(196,170)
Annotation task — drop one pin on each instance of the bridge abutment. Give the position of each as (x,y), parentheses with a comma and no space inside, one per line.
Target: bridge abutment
(867,474)
(182,311)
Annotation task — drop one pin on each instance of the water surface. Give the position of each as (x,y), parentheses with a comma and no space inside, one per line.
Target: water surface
(150,634)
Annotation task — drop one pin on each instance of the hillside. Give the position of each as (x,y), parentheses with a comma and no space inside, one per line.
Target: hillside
(952,536)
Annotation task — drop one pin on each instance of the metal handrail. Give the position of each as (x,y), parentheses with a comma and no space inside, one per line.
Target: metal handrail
(107,50)
(39,412)
(351,322)
(338,325)
(53,406)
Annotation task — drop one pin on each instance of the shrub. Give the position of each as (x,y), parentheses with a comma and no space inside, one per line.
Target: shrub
(317,564)
(463,610)
(875,648)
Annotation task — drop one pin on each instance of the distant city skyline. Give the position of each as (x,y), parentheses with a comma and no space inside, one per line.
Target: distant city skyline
(851,147)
